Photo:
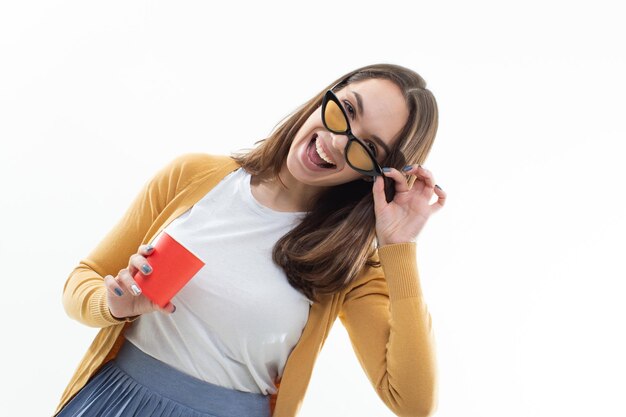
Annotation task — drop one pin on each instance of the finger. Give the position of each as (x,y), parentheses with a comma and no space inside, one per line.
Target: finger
(415,178)
(146,250)
(139,263)
(415,169)
(128,283)
(168,309)
(441,198)
(398,178)
(410,169)
(112,286)
(426,176)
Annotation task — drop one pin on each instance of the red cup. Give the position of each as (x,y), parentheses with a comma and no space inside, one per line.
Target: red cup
(173,266)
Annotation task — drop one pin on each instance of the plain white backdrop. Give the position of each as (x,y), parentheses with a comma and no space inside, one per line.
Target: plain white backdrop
(523,270)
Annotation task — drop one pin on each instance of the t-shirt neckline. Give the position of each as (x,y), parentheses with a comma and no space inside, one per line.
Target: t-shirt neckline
(254,203)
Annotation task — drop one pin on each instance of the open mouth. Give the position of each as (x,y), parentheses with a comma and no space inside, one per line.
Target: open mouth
(317,156)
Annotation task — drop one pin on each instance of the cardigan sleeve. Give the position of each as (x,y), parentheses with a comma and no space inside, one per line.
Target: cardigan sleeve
(390,330)
(84,293)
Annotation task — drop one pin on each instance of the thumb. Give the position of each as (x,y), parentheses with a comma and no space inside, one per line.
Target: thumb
(378,189)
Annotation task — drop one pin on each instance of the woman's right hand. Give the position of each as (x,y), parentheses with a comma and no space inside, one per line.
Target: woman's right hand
(124,296)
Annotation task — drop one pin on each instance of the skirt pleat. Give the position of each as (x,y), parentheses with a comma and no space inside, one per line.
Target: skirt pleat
(113,392)
(116,395)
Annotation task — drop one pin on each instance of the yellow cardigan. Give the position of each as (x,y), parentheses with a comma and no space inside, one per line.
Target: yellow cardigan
(384,314)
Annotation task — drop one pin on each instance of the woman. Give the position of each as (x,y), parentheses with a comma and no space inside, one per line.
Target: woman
(301,230)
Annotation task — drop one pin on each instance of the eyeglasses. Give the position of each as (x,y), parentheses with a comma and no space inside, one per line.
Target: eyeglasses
(358,155)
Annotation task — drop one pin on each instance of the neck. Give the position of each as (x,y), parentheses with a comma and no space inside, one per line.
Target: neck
(284,194)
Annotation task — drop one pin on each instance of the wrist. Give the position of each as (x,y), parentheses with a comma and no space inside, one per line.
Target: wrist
(386,242)
(123,319)
(116,317)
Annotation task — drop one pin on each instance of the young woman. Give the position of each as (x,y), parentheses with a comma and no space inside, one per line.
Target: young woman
(304,228)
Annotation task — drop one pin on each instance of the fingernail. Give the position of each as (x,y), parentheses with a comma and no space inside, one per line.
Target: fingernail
(118,292)
(146,268)
(174,310)
(135,289)
(386,169)
(407,168)
(149,248)
(439,187)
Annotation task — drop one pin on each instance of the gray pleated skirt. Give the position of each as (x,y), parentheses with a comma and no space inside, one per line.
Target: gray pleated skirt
(136,384)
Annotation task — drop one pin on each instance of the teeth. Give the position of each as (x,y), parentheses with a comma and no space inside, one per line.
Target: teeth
(321,153)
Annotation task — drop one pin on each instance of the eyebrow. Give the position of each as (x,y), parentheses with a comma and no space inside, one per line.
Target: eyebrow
(379,141)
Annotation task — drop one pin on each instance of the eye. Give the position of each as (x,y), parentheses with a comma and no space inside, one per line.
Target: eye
(372,147)
(349,109)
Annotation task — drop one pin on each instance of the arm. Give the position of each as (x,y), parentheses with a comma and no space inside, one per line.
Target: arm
(84,293)
(390,330)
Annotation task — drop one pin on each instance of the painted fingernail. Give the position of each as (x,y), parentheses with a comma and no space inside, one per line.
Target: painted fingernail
(149,248)
(386,169)
(118,292)
(135,289)
(439,187)
(407,168)
(146,268)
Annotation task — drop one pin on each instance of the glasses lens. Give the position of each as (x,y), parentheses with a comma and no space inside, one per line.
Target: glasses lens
(358,157)
(334,118)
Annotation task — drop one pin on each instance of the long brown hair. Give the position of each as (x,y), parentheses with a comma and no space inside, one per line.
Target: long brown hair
(335,240)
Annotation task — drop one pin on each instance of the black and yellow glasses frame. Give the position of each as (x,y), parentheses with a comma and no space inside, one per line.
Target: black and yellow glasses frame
(358,155)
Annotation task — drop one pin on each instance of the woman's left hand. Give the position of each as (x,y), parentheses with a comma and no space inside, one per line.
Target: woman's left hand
(402,219)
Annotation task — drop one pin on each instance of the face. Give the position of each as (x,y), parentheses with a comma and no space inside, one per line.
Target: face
(377,113)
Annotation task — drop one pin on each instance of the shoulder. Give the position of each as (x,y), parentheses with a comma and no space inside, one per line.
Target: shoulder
(184,168)
(192,163)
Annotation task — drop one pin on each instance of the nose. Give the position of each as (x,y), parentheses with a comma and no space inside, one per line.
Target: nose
(339,142)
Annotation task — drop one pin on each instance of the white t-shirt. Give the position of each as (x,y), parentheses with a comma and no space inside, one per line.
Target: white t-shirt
(237,319)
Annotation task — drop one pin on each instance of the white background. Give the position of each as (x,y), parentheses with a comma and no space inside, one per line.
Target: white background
(524,268)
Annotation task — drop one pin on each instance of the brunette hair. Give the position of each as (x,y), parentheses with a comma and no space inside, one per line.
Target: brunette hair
(335,240)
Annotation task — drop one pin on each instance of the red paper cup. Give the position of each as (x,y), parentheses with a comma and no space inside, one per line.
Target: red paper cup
(173,266)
